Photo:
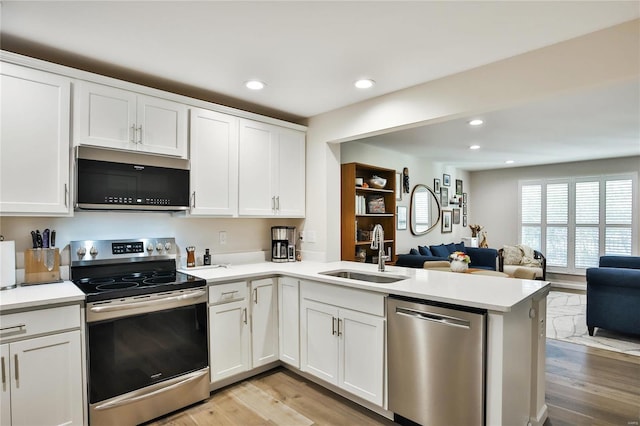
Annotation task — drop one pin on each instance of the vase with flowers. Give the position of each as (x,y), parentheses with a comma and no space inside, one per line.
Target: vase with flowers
(459,261)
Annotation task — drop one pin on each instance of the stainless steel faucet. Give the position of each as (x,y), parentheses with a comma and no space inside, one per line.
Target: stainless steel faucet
(377,242)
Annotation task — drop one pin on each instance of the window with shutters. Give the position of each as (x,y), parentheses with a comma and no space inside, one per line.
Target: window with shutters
(574,221)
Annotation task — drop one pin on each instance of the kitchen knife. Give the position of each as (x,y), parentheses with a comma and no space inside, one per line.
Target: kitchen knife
(38,239)
(45,238)
(53,238)
(34,238)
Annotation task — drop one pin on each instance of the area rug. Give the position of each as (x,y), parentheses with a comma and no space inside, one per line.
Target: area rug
(566,320)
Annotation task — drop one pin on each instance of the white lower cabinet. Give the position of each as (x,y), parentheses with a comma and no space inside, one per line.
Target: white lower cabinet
(289,320)
(41,376)
(343,346)
(243,331)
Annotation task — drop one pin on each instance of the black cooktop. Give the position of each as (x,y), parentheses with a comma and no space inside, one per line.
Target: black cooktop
(119,281)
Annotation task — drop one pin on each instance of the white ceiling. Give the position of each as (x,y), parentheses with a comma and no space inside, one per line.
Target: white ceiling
(310,53)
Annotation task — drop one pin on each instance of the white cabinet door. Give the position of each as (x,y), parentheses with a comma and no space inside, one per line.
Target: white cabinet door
(229,339)
(256,192)
(34,134)
(104,116)
(362,355)
(114,118)
(271,170)
(46,380)
(319,351)
(264,321)
(290,200)
(162,126)
(5,396)
(289,320)
(214,163)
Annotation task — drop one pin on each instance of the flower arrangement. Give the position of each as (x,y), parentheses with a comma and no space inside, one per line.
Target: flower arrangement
(459,256)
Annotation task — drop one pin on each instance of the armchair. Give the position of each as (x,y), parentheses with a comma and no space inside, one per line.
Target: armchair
(510,260)
(613,295)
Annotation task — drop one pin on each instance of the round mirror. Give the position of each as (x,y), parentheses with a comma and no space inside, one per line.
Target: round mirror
(425,210)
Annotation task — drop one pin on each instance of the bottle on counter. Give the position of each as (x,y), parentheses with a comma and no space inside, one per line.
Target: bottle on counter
(207,257)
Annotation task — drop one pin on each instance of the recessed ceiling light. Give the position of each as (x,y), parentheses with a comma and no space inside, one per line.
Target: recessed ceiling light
(254,85)
(474,147)
(476,122)
(509,162)
(365,83)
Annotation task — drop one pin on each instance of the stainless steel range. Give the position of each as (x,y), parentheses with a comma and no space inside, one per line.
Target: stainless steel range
(146,329)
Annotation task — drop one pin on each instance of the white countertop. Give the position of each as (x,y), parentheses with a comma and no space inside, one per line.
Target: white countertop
(31,296)
(479,291)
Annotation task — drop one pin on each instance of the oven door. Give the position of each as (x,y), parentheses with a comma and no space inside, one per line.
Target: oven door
(134,358)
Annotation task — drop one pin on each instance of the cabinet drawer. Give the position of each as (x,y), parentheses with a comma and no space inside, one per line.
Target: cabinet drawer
(41,321)
(229,292)
(344,297)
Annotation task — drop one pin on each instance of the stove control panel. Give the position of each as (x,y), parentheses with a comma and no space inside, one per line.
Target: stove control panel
(107,251)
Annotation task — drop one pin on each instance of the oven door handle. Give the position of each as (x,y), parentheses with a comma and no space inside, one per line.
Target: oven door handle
(134,305)
(128,399)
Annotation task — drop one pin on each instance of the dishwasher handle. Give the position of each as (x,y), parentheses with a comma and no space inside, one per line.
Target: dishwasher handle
(429,316)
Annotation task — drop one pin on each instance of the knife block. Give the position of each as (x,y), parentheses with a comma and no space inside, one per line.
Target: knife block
(42,266)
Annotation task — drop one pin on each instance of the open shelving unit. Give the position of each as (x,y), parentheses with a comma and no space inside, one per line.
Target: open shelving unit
(354,219)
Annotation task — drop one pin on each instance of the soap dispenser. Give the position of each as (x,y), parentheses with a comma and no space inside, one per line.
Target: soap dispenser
(207,257)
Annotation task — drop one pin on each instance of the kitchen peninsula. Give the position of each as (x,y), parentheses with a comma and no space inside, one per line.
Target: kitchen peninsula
(333,330)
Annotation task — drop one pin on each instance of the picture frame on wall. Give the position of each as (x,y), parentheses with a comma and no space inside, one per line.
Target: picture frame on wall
(398,186)
(464,198)
(458,186)
(446,224)
(446,180)
(401,218)
(444,197)
(456,216)
(436,185)
(464,221)
(464,210)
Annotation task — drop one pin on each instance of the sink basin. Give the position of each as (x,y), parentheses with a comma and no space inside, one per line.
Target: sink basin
(363,276)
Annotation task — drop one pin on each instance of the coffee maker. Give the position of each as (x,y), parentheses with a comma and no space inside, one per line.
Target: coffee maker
(283,243)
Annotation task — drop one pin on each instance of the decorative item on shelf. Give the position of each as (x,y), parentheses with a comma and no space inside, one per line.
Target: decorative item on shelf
(405,179)
(377,182)
(359,181)
(361,255)
(483,240)
(459,261)
(375,204)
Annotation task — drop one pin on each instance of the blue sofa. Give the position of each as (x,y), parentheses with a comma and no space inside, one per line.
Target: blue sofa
(481,258)
(613,295)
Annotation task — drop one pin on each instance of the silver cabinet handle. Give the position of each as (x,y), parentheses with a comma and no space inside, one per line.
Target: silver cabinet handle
(135,305)
(224,293)
(193,198)
(128,399)
(255,296)
(66,195)
(278,203)
(340,327)
(15,358)
(273,203)
(333,326)
(427,316)
(15,328)
(139,129)
(245,315)
(133,133)
(4,373)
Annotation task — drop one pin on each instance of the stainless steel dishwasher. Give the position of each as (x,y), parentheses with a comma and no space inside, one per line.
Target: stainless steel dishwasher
(436,362)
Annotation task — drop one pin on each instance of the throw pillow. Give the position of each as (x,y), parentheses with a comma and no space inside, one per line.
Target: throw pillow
(451,247)
(528,256)
(424,250)
(512,255)
(413,251)
(460,246)
(440,251)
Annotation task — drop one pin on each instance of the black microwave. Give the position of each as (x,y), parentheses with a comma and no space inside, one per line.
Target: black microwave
(105,185)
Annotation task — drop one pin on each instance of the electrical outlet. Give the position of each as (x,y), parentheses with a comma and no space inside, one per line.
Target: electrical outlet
(223,237)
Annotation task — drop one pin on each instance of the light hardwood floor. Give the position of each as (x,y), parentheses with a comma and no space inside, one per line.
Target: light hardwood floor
(585,386)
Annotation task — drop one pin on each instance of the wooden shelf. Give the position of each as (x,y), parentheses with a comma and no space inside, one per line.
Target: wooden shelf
(366,222)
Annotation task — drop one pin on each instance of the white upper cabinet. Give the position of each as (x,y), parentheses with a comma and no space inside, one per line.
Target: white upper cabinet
(34,162)
(271,170)
(109,117)
(214,163)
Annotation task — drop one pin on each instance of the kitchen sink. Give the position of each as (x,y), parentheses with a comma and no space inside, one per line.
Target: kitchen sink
(363,276)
